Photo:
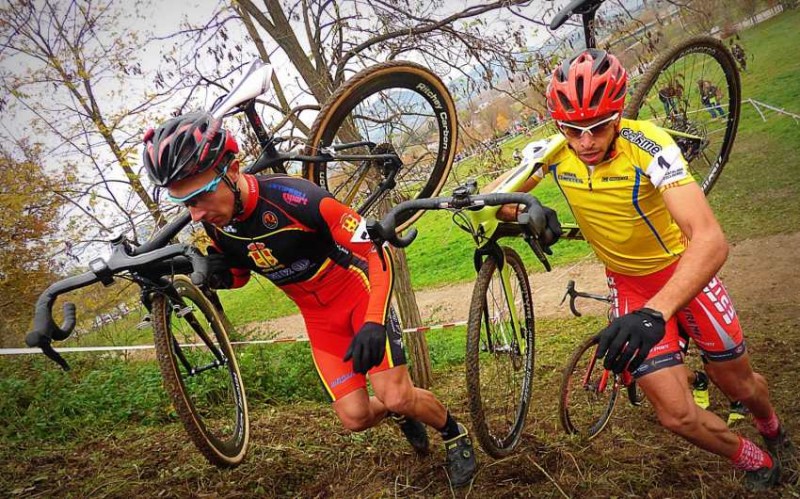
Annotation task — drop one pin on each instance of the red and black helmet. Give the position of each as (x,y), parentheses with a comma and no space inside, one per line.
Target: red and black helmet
(184,146)
(589,85)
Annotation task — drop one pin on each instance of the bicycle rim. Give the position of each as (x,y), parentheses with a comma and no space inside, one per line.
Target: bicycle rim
(398,107)
(708,124)
(200,374)
(587,396)
(500,355)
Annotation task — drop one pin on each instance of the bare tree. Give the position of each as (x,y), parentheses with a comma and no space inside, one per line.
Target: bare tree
(69,67)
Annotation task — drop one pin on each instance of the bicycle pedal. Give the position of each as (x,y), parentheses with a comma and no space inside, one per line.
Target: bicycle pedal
(734,417)
(181,311)
(146,321)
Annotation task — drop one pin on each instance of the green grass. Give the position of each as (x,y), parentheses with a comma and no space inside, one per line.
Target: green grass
(259,300)
(759,190)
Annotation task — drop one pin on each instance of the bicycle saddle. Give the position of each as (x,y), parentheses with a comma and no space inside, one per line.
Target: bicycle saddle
(254,83)
(575,7)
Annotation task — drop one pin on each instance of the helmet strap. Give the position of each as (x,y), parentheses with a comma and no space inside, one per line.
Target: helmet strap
(238,206)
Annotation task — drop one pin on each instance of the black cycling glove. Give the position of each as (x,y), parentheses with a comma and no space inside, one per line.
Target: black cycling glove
(367,348)
(219,271)
(552,231)
(633,333)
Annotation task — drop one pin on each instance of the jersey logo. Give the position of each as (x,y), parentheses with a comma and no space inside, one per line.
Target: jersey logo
(639,140)
(295,199)
(269,219)
(360,235)
(569,177)
(262,256)
(349,223)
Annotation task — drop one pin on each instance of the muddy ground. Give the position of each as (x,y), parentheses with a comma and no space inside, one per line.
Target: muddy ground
(301,451)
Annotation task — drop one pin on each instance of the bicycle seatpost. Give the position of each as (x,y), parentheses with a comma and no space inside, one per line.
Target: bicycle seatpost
(587,9)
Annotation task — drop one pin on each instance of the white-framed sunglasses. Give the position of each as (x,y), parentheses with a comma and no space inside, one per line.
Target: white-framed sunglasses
(575,131)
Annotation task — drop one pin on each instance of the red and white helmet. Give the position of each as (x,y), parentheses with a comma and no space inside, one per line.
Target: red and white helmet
(591,84)
(184,146)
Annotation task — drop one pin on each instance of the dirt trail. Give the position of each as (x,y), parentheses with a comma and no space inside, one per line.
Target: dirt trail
(744,274)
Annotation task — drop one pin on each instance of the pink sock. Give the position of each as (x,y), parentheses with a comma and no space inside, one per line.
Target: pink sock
(750,457)
(768,427)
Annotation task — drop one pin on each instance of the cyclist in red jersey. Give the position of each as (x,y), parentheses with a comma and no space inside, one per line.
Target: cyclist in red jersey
(649,222)
(318,252)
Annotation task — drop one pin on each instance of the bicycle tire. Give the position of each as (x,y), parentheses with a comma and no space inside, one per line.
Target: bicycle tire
(494,361)
(379,88)
(681,63)
(577,411)
(213,411)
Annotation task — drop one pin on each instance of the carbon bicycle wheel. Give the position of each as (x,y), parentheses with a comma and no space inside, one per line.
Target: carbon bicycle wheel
(694,92)
(200,373)
(500,354)
(588,393)
(394,107)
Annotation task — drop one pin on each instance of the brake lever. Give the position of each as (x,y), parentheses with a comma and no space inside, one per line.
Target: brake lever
(572,293)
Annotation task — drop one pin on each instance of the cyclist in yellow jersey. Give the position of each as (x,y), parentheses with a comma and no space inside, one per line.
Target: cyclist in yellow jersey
(648,221)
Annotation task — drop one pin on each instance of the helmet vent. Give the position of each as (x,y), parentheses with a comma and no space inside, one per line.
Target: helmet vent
(620,92)
(565,102)
(598,94)
(579,88)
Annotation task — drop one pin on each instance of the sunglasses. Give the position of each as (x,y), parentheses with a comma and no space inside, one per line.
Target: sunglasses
(193,197)
(575,132)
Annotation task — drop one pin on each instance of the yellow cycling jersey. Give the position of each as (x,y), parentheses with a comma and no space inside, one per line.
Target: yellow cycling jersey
(618,203)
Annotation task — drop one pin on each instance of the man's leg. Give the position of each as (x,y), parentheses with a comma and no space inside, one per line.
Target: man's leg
(396,391)
(738,381)
(358,411)
(668,392)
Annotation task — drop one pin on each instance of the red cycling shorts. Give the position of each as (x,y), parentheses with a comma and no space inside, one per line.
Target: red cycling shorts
(709,319)
(333,313)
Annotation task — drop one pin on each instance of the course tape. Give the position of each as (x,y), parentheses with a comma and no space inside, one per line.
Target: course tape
(23,351)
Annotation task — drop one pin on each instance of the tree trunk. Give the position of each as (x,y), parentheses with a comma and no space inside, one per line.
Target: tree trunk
(416,343)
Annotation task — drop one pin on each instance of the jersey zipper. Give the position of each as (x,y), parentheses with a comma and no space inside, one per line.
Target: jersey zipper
(589,176)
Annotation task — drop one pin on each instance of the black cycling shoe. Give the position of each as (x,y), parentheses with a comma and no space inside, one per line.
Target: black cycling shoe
(700,381)
(780,446)
(763,478)
(461,463)
(415,433)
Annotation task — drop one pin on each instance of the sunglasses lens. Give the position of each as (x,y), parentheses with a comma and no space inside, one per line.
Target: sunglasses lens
(191,199)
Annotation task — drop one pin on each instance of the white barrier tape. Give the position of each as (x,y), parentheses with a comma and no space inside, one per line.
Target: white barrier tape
(422,329)
(23,351)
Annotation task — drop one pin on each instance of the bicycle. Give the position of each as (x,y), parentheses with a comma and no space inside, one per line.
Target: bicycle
(500,346)
(191,333)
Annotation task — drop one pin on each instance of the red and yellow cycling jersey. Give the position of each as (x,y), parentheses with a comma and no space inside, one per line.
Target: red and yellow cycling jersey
(618,203)
(317,250)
